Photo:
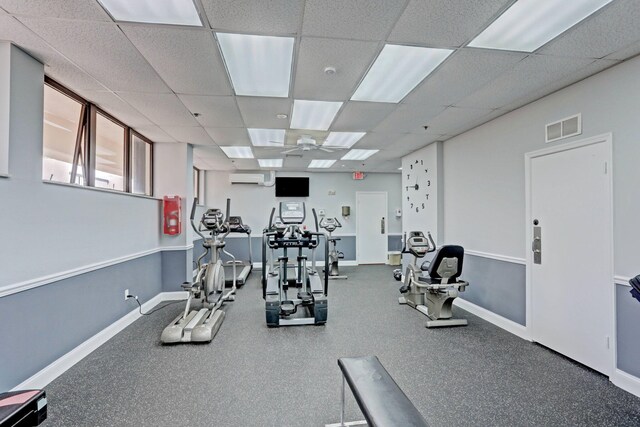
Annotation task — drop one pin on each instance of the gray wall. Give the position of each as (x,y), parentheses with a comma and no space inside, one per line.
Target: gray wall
(55,229)
(484,182)
(498,286)
(39,325)
(628,327)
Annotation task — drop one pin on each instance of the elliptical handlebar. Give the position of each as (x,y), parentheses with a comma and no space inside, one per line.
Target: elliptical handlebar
(315,218)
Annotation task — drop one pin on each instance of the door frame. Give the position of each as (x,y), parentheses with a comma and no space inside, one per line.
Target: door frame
(386,228)
(607,263)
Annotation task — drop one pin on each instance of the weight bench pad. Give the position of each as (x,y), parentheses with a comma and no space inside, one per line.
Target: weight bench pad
(381,401)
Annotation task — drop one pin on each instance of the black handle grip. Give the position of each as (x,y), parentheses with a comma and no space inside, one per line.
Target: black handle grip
(273,211)
(193,209)
(315,218)
(228,210)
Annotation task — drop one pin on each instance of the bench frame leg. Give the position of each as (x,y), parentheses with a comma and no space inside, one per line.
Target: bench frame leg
(342,401)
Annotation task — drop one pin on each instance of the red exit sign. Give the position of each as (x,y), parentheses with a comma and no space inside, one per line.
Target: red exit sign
(358,175)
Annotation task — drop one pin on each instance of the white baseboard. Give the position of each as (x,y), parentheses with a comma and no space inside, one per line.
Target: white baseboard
(626,381)
(489,316)
(61,365)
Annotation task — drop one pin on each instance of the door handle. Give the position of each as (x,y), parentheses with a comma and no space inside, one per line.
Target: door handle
(536,245)
(382,226)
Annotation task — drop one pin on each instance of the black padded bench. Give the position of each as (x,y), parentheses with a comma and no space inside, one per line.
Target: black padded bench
(381,401)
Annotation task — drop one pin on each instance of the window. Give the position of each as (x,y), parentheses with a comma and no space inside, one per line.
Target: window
(63,136)
(141,169)
(196,185)
(110,143)
(83,145)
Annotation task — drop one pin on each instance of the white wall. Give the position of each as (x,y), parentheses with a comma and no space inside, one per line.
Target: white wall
(5,86)
(47,228)
(254,203)
(484,182)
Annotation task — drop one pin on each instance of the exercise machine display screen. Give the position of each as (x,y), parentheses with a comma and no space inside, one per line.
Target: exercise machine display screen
(292,212)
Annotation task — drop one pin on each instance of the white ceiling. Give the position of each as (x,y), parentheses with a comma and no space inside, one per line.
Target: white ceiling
(154,77)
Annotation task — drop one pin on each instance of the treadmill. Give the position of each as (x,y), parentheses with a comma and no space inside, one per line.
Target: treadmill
(243,268)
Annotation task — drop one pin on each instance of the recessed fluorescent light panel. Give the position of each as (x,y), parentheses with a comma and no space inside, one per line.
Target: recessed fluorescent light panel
(258,65)
(267,137)
(321,163)
(234,152)
(529,24)
(270,163)
(359,154)
(397,70)
(343,139)
(176,12)
(314,115)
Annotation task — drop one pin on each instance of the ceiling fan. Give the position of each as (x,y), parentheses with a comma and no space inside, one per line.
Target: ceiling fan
(307,143)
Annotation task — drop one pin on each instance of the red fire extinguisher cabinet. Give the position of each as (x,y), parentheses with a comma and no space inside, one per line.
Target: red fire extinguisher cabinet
(172,215)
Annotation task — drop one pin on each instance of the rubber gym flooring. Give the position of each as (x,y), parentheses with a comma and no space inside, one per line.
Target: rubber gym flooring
(251,375)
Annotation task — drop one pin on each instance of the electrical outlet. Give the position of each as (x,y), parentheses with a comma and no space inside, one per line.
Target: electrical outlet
(126,294)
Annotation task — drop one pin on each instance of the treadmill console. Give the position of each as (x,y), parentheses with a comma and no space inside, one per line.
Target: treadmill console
(236,225)
(418,245)
(292,212)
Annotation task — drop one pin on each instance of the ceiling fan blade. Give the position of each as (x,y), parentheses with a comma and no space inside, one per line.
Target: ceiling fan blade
(325,149)
(289,151)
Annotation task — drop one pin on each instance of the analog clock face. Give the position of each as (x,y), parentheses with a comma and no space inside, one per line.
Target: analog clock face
(417,182)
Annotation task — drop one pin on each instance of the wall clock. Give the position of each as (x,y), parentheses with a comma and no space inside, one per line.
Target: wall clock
(417,183)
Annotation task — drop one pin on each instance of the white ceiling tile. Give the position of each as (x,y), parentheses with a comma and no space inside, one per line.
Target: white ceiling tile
(215,111)
(353,19)
(530,74)
(164,109)
(362,116)
(350,58)
(379,140)
(69,9)
(229,136)
(188,60)
(154,133)
(409,144)
(56,66)
(608,31)
(117,107)
(626,52)
(408,118)
(189,135)
(591,69)
(455,119)
(274,17)
(102,50)
(211,158)
(438,23)
(260,112)
(466,71)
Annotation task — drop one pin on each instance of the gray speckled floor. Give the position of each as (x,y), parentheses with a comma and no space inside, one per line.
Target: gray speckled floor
(250,375)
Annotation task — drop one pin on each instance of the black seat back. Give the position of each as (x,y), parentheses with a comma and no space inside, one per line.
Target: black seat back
(441,266)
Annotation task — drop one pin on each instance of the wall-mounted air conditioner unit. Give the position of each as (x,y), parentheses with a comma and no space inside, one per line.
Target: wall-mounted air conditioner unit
(246,178)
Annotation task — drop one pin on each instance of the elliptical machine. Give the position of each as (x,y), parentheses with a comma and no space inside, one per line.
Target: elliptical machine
(330,224)
(201,325)
(310,301)
(433,294)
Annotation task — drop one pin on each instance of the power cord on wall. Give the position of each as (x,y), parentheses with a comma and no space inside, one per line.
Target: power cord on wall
(152,311)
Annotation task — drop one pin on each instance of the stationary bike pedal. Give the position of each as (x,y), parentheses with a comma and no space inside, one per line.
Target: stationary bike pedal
(340,255)
(305,297)
(404,289)
(287,308)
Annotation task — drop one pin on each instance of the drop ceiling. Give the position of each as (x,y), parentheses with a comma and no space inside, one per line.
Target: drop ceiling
(155,77)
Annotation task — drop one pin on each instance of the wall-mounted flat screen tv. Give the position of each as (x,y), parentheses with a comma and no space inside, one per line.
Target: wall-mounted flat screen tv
(292,186)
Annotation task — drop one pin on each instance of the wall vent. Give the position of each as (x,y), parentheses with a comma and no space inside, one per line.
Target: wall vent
(564,128)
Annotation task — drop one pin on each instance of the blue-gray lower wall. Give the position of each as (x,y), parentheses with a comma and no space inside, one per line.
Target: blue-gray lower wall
(628,325)
(176,269)
(239,247)
(498,286)
(40,325)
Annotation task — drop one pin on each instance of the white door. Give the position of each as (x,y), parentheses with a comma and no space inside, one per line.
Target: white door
(571,284)
(371,227)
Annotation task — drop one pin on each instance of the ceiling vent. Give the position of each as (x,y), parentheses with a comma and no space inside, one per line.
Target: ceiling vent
(564,128)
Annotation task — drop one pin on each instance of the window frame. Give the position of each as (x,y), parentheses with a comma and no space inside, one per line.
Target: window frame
(86,147)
